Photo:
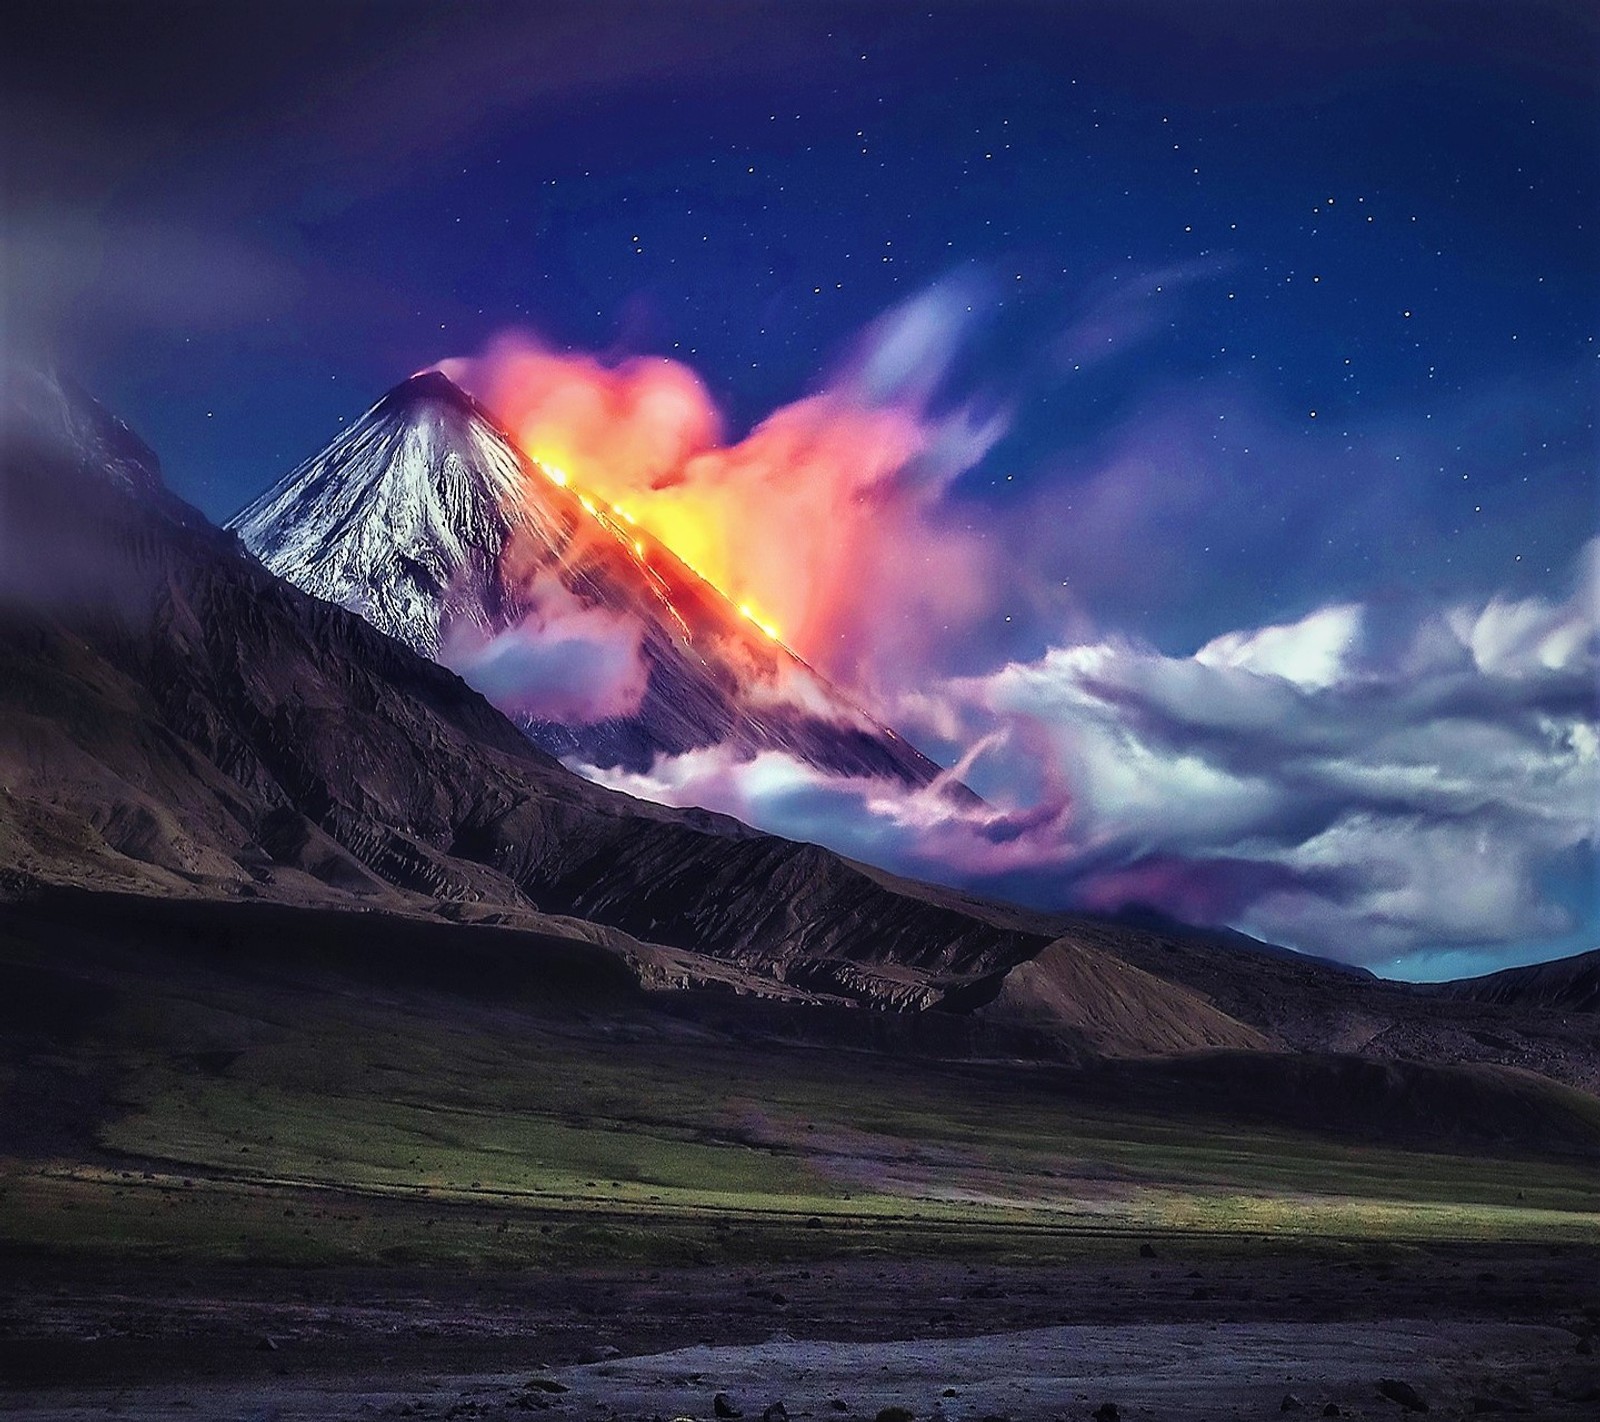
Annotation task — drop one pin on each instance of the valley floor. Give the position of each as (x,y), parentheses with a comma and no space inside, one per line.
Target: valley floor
(240,1179)
(1196,1332)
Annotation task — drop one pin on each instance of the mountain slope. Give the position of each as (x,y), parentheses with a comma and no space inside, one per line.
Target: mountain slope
(1120,1009)
(426,519)
(402,518)
(176,723)
(1566,985)
(176,720)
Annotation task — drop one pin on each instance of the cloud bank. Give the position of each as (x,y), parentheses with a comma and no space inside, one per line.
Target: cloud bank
(1364,783)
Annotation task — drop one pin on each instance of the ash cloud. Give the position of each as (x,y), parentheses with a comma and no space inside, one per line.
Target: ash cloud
(1392,780)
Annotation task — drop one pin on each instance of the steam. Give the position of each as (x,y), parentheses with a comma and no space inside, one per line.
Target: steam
(920,831)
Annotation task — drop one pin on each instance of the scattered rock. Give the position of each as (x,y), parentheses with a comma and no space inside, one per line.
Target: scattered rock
(950,1392)
(1291,1403)
(1512,1395)
(266,1345)
(771,1296)
(1403,1393)
(839,1405)
(599,1353)
(777,1412)
(895,1414)
(1107,1412)
(1578,1383)
(723,1407)
(1147,1250)
(543,1385)
(1332,1410)
(1480,1403)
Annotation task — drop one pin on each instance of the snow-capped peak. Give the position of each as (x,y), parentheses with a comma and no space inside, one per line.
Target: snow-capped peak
(427,520)
(392,516)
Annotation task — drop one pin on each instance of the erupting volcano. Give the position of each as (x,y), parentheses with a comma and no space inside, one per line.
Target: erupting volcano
(427,519)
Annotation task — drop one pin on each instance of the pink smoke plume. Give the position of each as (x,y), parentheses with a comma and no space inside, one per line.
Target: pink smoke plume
(828,520)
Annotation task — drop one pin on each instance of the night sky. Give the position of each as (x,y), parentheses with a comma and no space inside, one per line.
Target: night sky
(1273,310)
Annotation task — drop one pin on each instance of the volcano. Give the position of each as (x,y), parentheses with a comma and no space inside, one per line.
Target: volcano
(191,743)
(427,520)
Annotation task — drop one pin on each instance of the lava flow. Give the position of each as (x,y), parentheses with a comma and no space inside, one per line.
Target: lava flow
(642,544)
(823,526)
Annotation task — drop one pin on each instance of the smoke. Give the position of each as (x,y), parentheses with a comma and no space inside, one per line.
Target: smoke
(830,520)
(565,661)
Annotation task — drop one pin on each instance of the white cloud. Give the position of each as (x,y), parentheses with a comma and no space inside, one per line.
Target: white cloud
(1366,797)
(1311,652)
(564,661)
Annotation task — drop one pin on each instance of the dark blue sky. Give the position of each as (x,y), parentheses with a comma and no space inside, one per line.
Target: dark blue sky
(1334,264)
(352,192)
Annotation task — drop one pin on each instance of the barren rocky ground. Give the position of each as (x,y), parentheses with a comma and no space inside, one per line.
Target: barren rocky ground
(1190,1333)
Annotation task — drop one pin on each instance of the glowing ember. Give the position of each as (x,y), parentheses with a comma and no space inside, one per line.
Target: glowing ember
(767,627)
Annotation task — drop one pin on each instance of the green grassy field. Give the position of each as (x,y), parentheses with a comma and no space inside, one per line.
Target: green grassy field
(311,1123)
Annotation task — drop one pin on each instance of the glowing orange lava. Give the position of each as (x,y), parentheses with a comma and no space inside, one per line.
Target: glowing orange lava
(824,519)
(559,476)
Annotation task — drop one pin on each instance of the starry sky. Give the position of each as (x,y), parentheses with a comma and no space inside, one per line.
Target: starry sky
(1275,309)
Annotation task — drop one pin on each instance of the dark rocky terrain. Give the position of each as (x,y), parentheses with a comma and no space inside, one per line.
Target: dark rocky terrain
(1567,986)
(1188,1336)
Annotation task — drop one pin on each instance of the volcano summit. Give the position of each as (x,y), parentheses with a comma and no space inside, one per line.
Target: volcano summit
(426,519)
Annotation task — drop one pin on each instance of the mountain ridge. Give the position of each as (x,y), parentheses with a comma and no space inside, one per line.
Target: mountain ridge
(426,518)
(191,724)
(177,722)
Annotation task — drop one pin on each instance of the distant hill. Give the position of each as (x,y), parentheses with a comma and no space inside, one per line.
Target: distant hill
(1566,985)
